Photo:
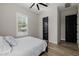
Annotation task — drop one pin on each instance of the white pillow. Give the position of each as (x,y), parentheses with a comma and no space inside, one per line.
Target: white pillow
(4,46)
(11,40)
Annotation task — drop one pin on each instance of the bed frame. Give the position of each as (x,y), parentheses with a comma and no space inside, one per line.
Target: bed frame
(45,50)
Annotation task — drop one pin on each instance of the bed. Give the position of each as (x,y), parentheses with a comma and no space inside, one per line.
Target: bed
(28,46)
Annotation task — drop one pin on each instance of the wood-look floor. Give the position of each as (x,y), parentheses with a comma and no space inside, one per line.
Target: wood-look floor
(63,49)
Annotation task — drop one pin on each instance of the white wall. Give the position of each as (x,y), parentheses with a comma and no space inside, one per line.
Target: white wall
(65,12)
(8,19)
(52,14)
(32,21)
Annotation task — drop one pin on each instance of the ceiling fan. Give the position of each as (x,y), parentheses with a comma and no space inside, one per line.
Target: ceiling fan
(37,4)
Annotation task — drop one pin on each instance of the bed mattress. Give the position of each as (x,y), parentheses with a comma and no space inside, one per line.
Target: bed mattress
(28,46)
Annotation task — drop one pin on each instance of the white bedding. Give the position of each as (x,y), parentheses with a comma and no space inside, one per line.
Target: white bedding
(28,46)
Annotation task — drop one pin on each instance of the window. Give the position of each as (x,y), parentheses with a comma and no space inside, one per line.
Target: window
(22,24)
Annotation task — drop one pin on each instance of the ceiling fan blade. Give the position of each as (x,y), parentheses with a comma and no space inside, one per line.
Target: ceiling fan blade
(32,5)
(38,7)
(43,4)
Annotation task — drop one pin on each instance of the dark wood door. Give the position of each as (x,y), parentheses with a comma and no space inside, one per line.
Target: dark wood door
(71,28)
(45,30)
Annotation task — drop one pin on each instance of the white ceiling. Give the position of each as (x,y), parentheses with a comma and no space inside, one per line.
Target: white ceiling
(34,8)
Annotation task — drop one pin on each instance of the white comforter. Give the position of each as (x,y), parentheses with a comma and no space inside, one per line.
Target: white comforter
(28,46)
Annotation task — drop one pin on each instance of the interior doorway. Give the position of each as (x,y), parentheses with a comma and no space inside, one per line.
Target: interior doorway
(70,30)
(45,31)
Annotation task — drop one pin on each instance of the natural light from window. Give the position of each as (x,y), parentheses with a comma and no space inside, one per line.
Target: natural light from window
(22,24)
